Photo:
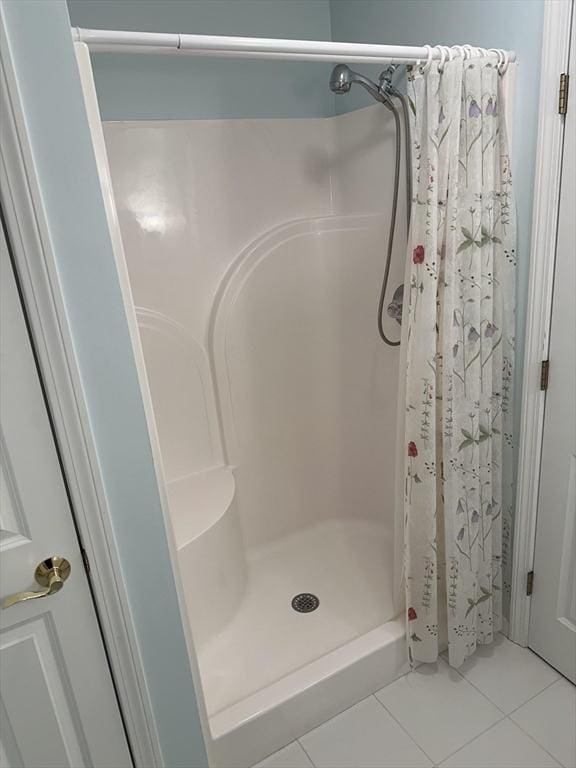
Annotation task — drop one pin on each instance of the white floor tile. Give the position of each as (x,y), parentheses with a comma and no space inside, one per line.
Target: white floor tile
(508,674)
(439,709)
(292,756)
(502,746)
(550,718)
(365,735)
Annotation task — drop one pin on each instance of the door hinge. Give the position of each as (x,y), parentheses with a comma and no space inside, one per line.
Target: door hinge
(563,94)
(529,582)
(85,560)
(544,373)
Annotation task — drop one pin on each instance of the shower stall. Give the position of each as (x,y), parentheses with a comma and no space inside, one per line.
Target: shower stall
(255,268)
(253,253)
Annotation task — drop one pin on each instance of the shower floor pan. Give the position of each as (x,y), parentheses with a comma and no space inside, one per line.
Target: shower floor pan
(273,673)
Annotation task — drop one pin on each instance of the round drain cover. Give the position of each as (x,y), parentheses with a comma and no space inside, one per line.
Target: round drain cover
(305,602)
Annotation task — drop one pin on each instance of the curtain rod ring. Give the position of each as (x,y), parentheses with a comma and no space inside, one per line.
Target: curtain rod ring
(449,52)
(498,52)
(504,66)
(459,50)
(442,53)
(467,51)
(429,56)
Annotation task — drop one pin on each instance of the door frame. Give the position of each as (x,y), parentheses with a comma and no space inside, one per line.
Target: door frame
(35,264)
(547,178)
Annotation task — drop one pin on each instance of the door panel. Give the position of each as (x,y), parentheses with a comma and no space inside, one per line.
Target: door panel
(553,610)
(28,662)
(13,529)
(567,587)
(57,700)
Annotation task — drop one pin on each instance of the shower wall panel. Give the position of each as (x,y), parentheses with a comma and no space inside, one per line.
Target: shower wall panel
(363,167)
(190,196)
(307,388)
(311,390)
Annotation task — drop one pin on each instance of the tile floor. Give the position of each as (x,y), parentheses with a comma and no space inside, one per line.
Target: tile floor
(505,708)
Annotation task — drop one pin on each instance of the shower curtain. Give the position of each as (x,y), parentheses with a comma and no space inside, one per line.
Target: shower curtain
(460,355)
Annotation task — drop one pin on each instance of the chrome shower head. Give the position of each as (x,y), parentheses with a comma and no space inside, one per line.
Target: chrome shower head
(341,80)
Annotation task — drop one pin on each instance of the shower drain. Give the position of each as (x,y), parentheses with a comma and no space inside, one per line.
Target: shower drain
(305,602)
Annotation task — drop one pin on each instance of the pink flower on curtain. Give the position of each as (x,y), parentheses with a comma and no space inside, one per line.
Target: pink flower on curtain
(412,615)
(412,450)
(418,254)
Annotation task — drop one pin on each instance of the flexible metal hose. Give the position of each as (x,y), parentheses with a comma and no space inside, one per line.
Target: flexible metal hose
(407,158)
(392,228)
(341,79)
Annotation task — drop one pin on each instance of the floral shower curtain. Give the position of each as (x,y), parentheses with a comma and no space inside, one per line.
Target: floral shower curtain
(460,355)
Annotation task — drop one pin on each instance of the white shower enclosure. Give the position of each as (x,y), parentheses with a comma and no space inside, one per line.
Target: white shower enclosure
(254,251)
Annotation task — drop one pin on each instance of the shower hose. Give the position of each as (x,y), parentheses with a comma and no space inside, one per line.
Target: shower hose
(392,228)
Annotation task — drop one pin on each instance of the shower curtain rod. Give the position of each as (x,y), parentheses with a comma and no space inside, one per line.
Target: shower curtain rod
(119,41)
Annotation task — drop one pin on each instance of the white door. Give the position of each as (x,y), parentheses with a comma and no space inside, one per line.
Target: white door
(553,610)
(57,702)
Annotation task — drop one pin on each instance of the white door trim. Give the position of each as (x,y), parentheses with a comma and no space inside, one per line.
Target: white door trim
(101,156)
(555,51)
(37,273)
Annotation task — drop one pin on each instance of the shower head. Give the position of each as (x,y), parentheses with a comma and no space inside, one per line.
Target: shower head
(341,80)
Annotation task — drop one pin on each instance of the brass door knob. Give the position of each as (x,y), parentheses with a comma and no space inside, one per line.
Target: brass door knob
(51,574)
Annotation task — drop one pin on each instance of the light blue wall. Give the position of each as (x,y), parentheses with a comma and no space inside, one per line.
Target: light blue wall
(43,56)
(170,88)
(510,24)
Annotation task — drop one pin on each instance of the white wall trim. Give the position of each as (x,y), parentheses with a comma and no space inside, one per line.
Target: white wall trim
(555,51)
(101,156)
(36,267)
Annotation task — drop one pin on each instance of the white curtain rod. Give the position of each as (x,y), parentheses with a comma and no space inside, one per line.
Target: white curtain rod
(105,40)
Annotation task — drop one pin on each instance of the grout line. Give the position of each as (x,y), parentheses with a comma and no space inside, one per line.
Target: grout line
(304,748)
(496,705)
(513,711)
(485,696)
(470,741)
(441,660)
(493,702)
(533,738)
(504,716)
(347,708)
(535,741)
(385,708)
(445,660)
(332,718)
